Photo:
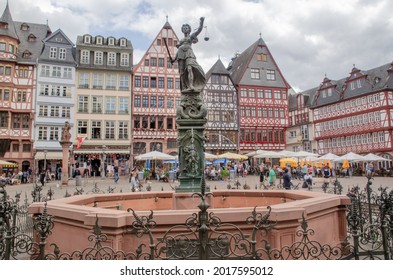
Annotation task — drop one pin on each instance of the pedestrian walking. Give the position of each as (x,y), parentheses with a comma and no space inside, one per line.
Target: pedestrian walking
(287,179)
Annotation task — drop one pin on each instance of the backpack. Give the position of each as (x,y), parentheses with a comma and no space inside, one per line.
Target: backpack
(326,172)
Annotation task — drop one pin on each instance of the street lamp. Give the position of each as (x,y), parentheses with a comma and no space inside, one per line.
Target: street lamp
(45,152)
(103,162)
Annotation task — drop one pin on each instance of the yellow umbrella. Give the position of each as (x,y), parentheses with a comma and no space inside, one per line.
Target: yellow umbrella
(8,164)
(285,161)
(345,164)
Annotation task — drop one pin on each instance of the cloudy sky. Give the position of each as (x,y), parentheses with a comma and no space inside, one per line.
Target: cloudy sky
(308,38)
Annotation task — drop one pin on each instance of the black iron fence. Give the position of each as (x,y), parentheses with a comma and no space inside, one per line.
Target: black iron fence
(204,236)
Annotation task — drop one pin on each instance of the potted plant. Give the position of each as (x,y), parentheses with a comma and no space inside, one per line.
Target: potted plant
(224,174)
(146,174)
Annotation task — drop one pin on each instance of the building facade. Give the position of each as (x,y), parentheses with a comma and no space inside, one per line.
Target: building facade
(263,99)
(20,47)
(354,114)
(54,103)
(300,133)
(220,98)
(156,92)
(103,103)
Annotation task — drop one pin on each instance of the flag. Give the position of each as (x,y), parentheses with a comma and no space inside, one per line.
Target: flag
(80,140)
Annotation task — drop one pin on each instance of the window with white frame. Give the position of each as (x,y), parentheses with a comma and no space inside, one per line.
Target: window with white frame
(43,111)
(56,71)
(42,133)
(110,130)
(96,104)
(110,105)
(55,111)
(255,74)
(62,53)
(54,133)
(45,71)
(82,127)
(83,104)
(67,73)
(66,112)
(270,75)
(123,105)
(97,81)
(84,80)
(95,130)
(124,59)
(375,137)
(381,136)
(110,81)
(123,42)
(87,39)
(98,57)
(111,59)
(268,94)
(111,41)
(85,57)
(123,130)
(53,52)
(99,40)
(124,82)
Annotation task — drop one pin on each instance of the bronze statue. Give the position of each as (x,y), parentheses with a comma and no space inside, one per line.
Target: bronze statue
(192,77)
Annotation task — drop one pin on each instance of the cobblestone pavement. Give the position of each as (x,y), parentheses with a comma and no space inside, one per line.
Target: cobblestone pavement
(106,185)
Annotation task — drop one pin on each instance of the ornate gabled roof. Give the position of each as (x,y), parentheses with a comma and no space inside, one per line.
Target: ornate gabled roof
(7,27)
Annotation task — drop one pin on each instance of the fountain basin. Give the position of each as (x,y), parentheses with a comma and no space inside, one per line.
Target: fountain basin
(74,217)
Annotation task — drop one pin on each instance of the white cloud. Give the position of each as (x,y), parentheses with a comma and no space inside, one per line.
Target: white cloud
(308,39)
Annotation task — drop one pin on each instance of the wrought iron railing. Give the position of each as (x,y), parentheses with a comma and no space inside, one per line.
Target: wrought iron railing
(204,236)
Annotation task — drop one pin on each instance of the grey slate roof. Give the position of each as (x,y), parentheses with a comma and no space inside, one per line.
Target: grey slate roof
(58,39)
(217,68)
(241,64)
(6,18)
(376,79)
(40,31)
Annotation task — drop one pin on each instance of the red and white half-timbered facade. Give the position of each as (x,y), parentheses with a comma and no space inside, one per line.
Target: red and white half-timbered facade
(156,91)
(263,99)
(355,114)
(20,46)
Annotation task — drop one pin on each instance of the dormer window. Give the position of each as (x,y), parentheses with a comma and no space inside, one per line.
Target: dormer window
(26,54)
(53,53)
(31,38)
(123,42)
(24,27)
(111,41)
(87,39)
(99,40)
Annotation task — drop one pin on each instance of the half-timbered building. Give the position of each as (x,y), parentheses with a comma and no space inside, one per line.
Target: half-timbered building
(54,100)
(263,99)
(20,46)
(354,114)
(156,91)
(300,133)
(220,98)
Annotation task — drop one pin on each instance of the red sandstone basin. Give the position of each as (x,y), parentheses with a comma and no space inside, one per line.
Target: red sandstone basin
(74,217)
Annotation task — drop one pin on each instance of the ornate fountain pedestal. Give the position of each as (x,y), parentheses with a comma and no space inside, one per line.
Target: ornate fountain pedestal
(66,159)
(191,120)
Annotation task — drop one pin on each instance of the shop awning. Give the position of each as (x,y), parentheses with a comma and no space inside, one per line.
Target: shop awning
(49,155)
(107,152)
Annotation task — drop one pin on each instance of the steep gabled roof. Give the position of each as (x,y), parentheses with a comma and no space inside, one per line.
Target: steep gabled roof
(217,68)
(7,27)
(240,65)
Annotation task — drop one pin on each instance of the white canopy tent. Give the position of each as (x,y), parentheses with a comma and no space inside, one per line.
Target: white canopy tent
(373,157)
(350,157)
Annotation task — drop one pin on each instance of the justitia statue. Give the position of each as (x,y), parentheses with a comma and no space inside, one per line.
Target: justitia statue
(191,113)
(192,77)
